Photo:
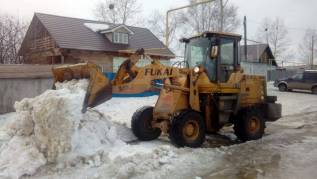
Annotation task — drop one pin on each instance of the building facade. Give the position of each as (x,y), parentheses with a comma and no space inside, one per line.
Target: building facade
(258,61)
(54,39)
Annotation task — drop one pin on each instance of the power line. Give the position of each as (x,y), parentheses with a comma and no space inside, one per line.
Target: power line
(288,27)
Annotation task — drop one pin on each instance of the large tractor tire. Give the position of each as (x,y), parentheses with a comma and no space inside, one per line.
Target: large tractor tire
(314,90)
(187,129)
(141,124)
(249,124)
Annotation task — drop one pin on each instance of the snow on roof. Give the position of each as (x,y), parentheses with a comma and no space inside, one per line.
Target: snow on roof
(97,27)
(116,28)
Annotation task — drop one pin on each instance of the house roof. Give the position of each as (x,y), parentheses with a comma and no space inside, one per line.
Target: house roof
(71,33)
(255,52)
(113,29)
(216,33)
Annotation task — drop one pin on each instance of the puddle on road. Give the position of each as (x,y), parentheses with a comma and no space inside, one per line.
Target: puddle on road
(218,140)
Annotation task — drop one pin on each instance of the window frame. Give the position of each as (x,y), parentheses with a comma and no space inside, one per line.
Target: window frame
(120,38)
(232,41)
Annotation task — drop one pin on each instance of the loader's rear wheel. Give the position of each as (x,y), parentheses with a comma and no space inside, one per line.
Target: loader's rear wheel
(187,129)
(314,90)
(141,124)
(249,125)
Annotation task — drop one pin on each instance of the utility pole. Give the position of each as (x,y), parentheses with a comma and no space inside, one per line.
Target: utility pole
(245,38)
(312,53)
(221,15)
(172,10)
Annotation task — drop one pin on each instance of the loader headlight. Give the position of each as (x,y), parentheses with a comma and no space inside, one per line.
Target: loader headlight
(196,69)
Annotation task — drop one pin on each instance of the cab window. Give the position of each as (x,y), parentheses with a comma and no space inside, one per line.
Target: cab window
(197,51)
(227,52)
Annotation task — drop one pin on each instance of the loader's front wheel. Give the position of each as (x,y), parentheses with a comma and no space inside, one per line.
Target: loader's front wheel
(249,124)
(187,129)
(141,124)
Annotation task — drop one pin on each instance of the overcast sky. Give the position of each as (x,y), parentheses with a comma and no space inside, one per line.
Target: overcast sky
(297,14)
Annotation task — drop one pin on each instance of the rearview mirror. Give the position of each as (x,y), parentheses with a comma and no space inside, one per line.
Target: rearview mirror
(214,52)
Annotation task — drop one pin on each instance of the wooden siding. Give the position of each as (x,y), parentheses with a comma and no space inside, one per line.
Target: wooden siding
(102,59)
(43,43)
(37,39)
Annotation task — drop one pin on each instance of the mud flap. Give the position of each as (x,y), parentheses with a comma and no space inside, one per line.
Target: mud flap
(273,111)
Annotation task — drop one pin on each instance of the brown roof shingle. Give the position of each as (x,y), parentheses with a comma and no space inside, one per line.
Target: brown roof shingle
(71,33)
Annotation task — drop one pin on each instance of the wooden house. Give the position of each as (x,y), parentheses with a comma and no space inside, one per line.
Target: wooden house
(53,39)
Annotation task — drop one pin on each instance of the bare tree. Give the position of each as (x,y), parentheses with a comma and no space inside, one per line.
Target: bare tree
(274,33)
(216,16)
(12,31)
(306,48)
(118,11)
(156,23)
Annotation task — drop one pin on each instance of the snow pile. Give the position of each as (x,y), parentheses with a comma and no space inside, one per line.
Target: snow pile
(20,156)
(50,128)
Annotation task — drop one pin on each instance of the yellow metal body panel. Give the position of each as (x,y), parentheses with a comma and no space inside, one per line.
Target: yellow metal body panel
(170,101)
(182,88)
(252,90)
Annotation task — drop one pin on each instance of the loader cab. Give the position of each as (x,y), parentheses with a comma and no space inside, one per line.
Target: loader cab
(217,53)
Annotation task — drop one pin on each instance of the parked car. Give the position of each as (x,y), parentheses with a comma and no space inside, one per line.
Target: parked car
(302,81)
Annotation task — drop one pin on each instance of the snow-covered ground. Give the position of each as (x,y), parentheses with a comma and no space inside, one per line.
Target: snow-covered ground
(295,102)
(288,150)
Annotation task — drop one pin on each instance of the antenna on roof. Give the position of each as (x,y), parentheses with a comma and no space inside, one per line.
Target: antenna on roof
(245,38)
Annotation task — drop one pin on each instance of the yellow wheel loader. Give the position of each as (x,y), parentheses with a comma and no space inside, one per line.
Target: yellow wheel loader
(206,92)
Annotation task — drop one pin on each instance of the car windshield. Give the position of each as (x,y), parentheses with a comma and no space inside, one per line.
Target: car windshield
(197,51)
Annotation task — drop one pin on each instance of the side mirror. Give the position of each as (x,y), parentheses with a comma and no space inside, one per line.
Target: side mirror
(214,52)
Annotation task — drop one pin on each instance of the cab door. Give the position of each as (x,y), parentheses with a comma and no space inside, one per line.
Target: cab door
(228,59)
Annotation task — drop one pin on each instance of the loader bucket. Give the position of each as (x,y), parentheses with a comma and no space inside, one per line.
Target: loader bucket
(99,88)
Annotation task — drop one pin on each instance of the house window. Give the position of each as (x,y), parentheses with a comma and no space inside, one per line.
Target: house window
(121,38)
(117,61)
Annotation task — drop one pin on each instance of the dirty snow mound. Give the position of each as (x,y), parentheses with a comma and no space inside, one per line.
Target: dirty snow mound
(50,128)
(20,157)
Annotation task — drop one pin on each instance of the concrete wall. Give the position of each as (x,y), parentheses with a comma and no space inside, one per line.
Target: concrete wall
(13,90)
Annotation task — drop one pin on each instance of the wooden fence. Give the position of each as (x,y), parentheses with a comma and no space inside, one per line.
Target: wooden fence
(25,71)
